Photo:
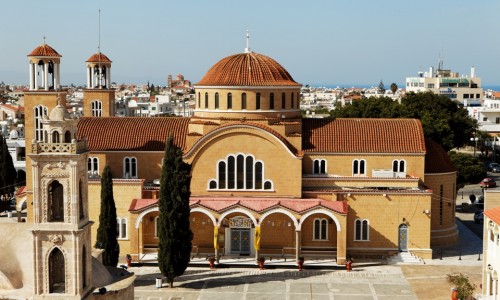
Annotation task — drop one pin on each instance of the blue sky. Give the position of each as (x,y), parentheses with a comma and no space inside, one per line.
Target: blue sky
(319,42)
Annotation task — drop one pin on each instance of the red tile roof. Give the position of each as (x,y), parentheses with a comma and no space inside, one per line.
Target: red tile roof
(363,135)
(132,133)
(220,204)
(99,57)
(247,69)
(493,214)
(436,159)
(44,50)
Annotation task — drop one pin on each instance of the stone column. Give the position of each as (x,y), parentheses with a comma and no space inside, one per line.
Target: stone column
(297,244)
(55,76)
(57,84)
(32,85)
(89,78)
(342,240)
(46,76)
(36,76)
(92,74)
(108,77)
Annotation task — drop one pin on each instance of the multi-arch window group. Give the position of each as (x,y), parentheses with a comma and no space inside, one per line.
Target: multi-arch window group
(320,229)
(228,98)
(319,166)
(93,166)
(399,165)
(240,172)
(130,167)
(361,230)
(96,108)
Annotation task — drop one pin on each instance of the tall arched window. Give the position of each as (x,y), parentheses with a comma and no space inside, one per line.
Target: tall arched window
(96,108)
(199,100)
(216,100)
(319,166)
(39,112)
(240,172)
(67,137)
(244,101)
(84,267)
(206,100)
(257,101)
(229,101)
(80,200)
(130,167)
(293,100)
(271,101)
(56,202)
(320,229)
(93,166)
(283,101)
(156,227)
(361,230)
(57,272)
(441,204)
(121,226)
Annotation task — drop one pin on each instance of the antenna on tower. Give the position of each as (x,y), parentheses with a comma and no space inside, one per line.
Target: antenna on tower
(247,49)
(99,41)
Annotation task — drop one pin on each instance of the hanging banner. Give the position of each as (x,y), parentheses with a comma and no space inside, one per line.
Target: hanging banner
(256,241)
(216,237)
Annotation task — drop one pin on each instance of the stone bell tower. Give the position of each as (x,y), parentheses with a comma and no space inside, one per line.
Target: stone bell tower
(43,96)
(61,235)
(99,97)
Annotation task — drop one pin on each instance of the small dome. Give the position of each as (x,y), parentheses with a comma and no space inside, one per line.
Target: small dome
(45,51)
(247,69)
(98,57)
(59,113)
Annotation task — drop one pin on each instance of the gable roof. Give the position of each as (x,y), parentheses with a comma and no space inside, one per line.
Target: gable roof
(132,133)
(493,214)
(360,135)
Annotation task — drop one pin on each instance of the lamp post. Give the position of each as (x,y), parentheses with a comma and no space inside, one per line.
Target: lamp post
(474,139)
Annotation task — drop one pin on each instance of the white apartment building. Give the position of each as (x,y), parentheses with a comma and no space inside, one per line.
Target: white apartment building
(466,89)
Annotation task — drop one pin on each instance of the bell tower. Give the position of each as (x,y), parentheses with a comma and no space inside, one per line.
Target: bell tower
(61,238)
(43,95)
(99,97)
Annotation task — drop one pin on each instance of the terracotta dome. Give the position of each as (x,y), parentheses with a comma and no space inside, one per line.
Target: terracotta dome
(59,113)
(98,57)
(44,50)
(247,69)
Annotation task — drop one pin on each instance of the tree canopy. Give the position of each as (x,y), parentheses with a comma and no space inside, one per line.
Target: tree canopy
(175,236)
(442,119)
(469,168)
(107,231)
(8,173)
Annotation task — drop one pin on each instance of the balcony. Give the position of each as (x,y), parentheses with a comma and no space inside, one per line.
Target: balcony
(75,147)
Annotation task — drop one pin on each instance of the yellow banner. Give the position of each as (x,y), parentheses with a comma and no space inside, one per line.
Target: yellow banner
(216,237)
(256,241)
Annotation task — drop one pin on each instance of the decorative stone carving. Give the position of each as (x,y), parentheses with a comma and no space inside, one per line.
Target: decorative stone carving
(240,223)
(56,238)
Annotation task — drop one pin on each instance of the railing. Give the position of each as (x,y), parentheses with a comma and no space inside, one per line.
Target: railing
(75,147)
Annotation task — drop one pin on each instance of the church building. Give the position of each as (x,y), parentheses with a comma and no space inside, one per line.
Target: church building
(265,181)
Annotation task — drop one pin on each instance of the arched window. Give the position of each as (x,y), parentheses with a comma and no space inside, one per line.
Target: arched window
(358,167)
(240,172)
(216,100)
(96,108)
(361,230)
(320,229)
(55,137)
(56,202)
(257,101)
(398,165)
(293,100)
(319,166)
(283,101)
(121,226)
(57,272)
(130,167)
(206,100)
(244,101)
(199,100)
(441,204)
(38,114)
(229,101)
(93,166)
(67,137)
(80,200)
(156,227)
(271,101)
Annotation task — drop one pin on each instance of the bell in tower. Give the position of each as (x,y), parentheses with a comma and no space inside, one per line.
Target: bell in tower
(44,68)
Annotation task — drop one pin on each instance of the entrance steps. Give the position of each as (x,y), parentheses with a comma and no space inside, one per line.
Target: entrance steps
(403,258)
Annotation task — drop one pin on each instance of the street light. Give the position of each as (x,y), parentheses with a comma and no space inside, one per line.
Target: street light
(474,139)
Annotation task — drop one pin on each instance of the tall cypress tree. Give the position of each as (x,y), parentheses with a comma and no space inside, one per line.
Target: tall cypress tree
(8,172)
(174,234)
(107,232)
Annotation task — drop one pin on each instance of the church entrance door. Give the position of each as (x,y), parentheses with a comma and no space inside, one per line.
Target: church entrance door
(403,238)
(240,241)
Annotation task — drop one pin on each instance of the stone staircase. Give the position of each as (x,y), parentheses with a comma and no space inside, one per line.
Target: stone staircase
(404,258)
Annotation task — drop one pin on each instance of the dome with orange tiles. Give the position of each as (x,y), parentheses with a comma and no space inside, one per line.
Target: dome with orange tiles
(98,57)
(45,51)
(247,69)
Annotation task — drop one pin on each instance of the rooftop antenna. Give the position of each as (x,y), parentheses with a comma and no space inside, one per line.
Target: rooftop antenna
(440,64)
(247,49)
(99,41)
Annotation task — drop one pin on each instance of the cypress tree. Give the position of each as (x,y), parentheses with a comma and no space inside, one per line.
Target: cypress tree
(174,233)
(107,232)
(8,173)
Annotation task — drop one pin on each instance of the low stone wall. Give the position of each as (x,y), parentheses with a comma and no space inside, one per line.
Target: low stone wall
(123,289)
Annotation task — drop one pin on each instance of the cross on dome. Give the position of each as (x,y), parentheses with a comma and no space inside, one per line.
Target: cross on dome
(247,49)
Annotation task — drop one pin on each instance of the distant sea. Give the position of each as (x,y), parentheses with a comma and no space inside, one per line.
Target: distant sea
(332,86)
